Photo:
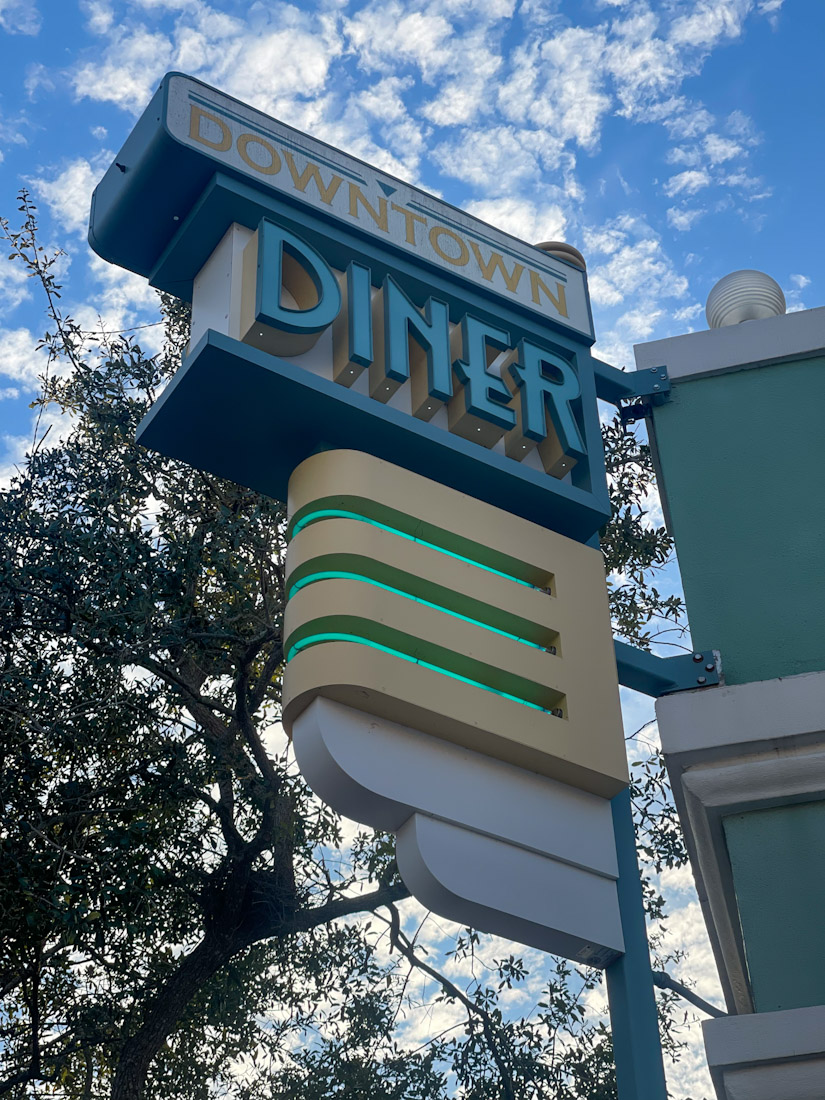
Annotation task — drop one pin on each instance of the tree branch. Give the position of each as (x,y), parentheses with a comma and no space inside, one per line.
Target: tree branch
(403,945)
(362,903)
(663,980)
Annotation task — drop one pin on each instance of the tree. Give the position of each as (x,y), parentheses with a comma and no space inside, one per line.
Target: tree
(178,915)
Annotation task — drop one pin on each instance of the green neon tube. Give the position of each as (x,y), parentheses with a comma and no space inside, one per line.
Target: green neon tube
(338,513)
(342,575)
(316,639)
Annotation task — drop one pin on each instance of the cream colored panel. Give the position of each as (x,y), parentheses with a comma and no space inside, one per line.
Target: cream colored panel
(422,632)
(438,507)
(580,679)
(590,757)
(329,542)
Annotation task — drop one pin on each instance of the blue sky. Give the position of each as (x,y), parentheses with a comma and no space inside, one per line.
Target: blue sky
(672,141)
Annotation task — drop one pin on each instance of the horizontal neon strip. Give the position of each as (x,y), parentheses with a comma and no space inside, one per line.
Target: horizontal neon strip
(341,575)
(337,513)
(315,639)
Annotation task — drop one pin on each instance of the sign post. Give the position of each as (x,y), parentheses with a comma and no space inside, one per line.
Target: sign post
(418,386)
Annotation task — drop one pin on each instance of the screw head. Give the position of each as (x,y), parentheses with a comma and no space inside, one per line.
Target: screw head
(656,386)
(697,657)
(653,370)
(710,668)
(701,679)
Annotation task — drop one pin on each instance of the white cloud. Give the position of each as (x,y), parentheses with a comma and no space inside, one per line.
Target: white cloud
(499,158)
(719,149)
(38,76)
(387,35)
(800,281)
(129,71)
(99,14)
(526,220)
(636,270)
(19,359)
(558,86)
(460,100)
(688,313)
(19,17)
(69,193)
(13,452)
(685,120)
(638,265)
(13,131)
(689,182)
(14,286)
(709,22)
(123,300)
(682,218)
(9,393)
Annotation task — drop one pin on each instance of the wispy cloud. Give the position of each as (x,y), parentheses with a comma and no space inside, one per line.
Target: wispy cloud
(20,17)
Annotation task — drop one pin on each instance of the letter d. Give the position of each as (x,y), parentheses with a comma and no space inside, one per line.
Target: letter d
(195,117)
(297,293)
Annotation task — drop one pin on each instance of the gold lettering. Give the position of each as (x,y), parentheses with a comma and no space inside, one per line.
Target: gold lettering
(409,219)
(274,166)
(312,172)
(463,256)
(195,116)
(379,216)
(537,284)
(488,268)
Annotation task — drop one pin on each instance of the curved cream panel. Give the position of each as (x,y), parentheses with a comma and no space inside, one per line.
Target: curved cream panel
(379,773)
(428,509)
(425,634)
(412,695)
(425,573)
(510,891)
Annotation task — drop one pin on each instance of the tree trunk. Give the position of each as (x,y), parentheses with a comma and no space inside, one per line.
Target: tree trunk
(163,1013)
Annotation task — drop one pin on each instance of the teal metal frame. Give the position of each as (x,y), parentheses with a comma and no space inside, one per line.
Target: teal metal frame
(657,676)
(634,1020)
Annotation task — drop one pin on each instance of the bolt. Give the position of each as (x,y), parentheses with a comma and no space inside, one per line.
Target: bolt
(710,668)
(701,679)
(698,657)
(653,370)
(656,386)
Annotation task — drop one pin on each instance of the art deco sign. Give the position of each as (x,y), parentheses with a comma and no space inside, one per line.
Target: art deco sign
(418,385)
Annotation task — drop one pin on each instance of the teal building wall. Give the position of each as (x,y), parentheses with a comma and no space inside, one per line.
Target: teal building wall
(777,858)
(742,457)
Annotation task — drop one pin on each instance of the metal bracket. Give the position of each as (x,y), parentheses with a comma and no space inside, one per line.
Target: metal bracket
(656,676)
(645,388)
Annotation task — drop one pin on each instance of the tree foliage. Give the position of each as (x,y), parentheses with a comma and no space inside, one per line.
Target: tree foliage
(179,917)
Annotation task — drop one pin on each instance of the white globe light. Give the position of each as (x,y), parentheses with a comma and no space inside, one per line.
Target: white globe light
(744,296)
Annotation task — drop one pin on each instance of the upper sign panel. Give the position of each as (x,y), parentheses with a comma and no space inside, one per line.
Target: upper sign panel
(190,131)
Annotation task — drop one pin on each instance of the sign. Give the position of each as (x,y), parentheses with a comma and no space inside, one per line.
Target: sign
(418,386)
(211,131)
(167,203)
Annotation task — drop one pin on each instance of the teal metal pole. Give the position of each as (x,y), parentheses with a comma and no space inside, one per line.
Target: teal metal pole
(637,1048)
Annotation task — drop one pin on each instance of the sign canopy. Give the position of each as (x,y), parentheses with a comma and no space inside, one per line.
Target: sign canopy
(190,131)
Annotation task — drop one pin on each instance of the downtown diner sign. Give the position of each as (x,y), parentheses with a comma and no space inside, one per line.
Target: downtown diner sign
(418,387)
